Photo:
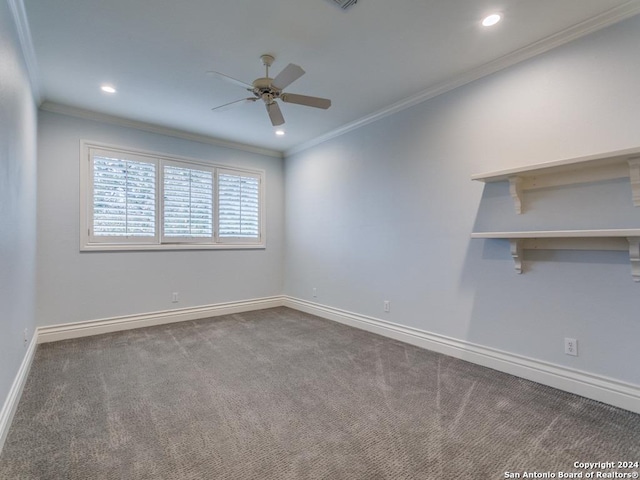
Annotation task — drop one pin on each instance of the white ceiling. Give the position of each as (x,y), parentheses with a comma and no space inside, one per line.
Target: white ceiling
(366,59)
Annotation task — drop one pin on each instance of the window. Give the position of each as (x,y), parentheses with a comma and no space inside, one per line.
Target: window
(136,200)
(238,205)
(123,198)
(188,203)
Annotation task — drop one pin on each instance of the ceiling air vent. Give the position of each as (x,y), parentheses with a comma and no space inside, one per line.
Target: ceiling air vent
(344,4)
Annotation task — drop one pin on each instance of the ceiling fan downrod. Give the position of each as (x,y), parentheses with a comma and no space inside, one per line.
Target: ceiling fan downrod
(267,61)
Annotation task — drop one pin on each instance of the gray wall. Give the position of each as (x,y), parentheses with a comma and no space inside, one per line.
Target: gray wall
(74,286)
(17,203)
(385,212)
(382,213)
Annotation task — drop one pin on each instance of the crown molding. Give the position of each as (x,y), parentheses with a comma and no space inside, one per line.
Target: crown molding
(152,128)
(605,19)
(610,17)
(24,36)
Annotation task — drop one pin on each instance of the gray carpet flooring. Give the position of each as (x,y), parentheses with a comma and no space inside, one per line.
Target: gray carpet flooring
(279,394)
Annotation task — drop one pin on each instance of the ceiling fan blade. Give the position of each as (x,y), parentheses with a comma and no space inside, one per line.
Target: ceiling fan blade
(233,104)
(229,79)
(274,114)
(305,100)
(287,76)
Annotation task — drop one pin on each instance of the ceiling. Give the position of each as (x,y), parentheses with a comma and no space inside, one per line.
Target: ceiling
(367,59)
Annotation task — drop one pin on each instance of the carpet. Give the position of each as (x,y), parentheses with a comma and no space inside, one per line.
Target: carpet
(279,394)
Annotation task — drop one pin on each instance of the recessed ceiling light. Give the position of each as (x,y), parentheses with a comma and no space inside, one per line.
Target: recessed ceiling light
(108,89)
(280,132)
(491,20)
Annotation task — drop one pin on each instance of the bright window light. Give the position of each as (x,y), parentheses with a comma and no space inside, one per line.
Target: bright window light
(108,89)
(491,19)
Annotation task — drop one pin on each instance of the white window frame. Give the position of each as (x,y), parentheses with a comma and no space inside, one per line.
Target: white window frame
(192,166)
(122,155)
(238,240)
(90,242)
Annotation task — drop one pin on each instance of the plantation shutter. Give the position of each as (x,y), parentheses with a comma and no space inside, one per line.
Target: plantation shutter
(188,203)
(124,198)
(136,200)
(238,206)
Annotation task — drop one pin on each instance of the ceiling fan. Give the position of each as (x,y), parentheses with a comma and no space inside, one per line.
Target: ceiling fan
(271,89)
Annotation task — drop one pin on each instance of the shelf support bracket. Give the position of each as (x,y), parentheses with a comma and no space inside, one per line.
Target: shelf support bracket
(515,189)
(634,257)
(516,252)
(634,177)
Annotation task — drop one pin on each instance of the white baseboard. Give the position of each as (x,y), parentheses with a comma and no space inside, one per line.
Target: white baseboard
(11,403)
(603,389)
(596,387)
(96,327)
(66,331)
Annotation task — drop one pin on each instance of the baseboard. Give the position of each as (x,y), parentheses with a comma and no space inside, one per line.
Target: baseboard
(11,403)
(596,387)
(67,331)
(96,327)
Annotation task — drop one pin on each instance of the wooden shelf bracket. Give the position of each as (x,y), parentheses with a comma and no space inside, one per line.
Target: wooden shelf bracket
(516,252)
(515,189)
(634,177)
(634,257)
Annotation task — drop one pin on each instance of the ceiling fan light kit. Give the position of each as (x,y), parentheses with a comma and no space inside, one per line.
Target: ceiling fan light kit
(270,89)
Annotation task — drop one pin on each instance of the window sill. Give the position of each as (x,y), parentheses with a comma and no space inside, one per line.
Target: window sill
(121,247)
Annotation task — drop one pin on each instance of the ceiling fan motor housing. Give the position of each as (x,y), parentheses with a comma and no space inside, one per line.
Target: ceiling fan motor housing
(262,88)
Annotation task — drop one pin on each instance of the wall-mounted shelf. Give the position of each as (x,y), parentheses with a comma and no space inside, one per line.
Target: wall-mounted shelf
(609,239)
(606,166)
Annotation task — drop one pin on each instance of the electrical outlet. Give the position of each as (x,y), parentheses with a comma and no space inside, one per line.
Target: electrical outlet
(174,297)
(387,306)
(315,292)
(571,346)
(25,338)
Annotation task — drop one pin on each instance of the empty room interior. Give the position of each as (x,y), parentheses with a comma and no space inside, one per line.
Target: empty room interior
(329,239)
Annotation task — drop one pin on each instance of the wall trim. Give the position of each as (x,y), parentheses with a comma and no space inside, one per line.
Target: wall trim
(26,44)
(596,387)
(67,331)
(15,392)
(153,128)
(605,19)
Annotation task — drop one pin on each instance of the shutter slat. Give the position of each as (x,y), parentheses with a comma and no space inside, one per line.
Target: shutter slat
(125,201)
(124,197)
(188,202)
(239,212)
